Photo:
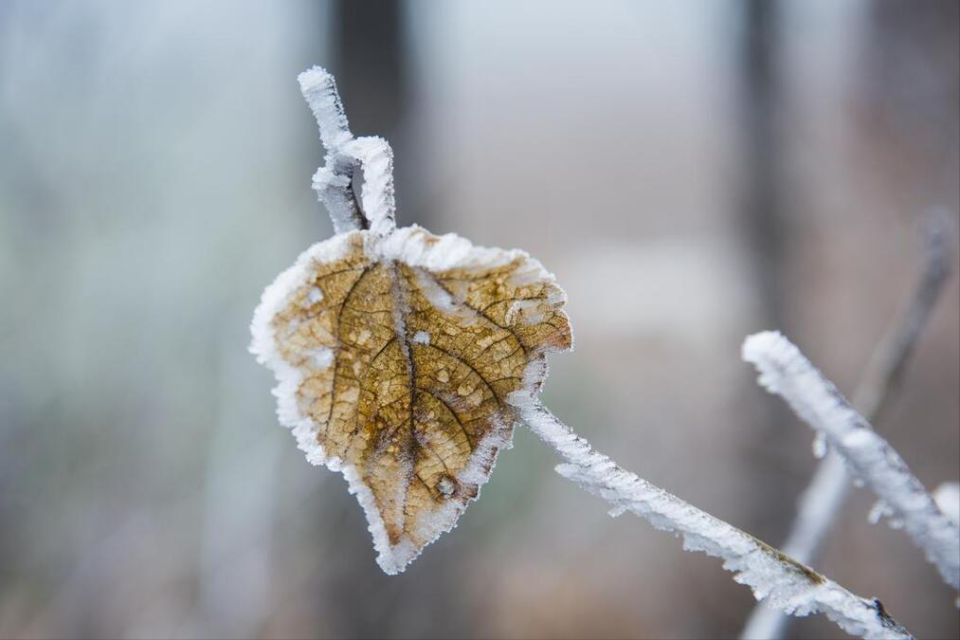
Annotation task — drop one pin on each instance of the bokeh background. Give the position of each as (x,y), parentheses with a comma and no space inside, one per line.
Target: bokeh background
(691,171)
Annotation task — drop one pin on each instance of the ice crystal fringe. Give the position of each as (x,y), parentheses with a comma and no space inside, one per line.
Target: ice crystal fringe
(772,576)
(786,372)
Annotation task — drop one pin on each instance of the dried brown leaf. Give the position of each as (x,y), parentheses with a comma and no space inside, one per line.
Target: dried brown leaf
(396,357)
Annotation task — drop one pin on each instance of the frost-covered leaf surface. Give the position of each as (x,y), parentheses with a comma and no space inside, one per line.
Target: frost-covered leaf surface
(395,350)
(394,356)
(773,577)
(786,372)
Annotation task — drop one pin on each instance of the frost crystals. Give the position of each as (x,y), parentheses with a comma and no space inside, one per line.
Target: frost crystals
(786,372)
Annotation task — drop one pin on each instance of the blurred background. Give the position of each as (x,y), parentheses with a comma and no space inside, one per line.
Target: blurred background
(692,172)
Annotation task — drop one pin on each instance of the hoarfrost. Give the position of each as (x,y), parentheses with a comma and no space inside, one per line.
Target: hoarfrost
(772,576)
(947,497)
(878,512)
(819,445)
(332,182)
(377,195)
(786,372)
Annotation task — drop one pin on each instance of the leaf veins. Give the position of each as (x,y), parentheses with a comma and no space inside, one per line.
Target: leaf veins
(401,354)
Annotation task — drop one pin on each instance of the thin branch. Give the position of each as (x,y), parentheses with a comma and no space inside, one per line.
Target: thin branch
(337,181)
(333,182)
(820,503)
(773,577)
(786,372)
(377,194)
(885,371)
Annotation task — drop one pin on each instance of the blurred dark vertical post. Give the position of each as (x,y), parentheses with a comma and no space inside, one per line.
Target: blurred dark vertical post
(372,61)
(374,67)
(910,100)
(763,190)
(770,449)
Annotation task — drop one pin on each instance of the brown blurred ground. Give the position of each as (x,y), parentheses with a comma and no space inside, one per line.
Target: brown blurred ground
(154,175)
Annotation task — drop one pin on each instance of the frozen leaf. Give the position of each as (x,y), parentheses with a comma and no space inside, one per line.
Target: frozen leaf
(395,356)
(396,350)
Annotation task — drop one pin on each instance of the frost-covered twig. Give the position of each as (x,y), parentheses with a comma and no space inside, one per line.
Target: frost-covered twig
(773,576)
(376,196)
(332,181)
(335,182)
(821,502)
(786,372)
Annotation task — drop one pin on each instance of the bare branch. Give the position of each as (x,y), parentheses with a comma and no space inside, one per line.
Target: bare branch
(786,372)
(885,370)
(773,577)
(376,195)
(821,502)
(338,181)
(333,182)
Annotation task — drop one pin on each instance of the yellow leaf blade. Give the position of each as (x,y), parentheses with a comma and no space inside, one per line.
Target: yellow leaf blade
(396,357)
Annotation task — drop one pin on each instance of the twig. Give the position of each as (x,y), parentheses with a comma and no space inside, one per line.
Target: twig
(333,182)
(772,576)
(336,181)
(786,372)
(886,368)
(820,503)
(377,203)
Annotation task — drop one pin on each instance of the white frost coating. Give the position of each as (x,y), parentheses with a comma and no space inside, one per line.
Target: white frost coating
(819,446)
(275,297)
(332,182)
(817,507)
(772,577)
(320,91)
(377,197)
(334,191)
(526,311)
(322,357)
(786,372)
(409,245)
(947,496)
(442,300)
(394,559)
(878,512)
